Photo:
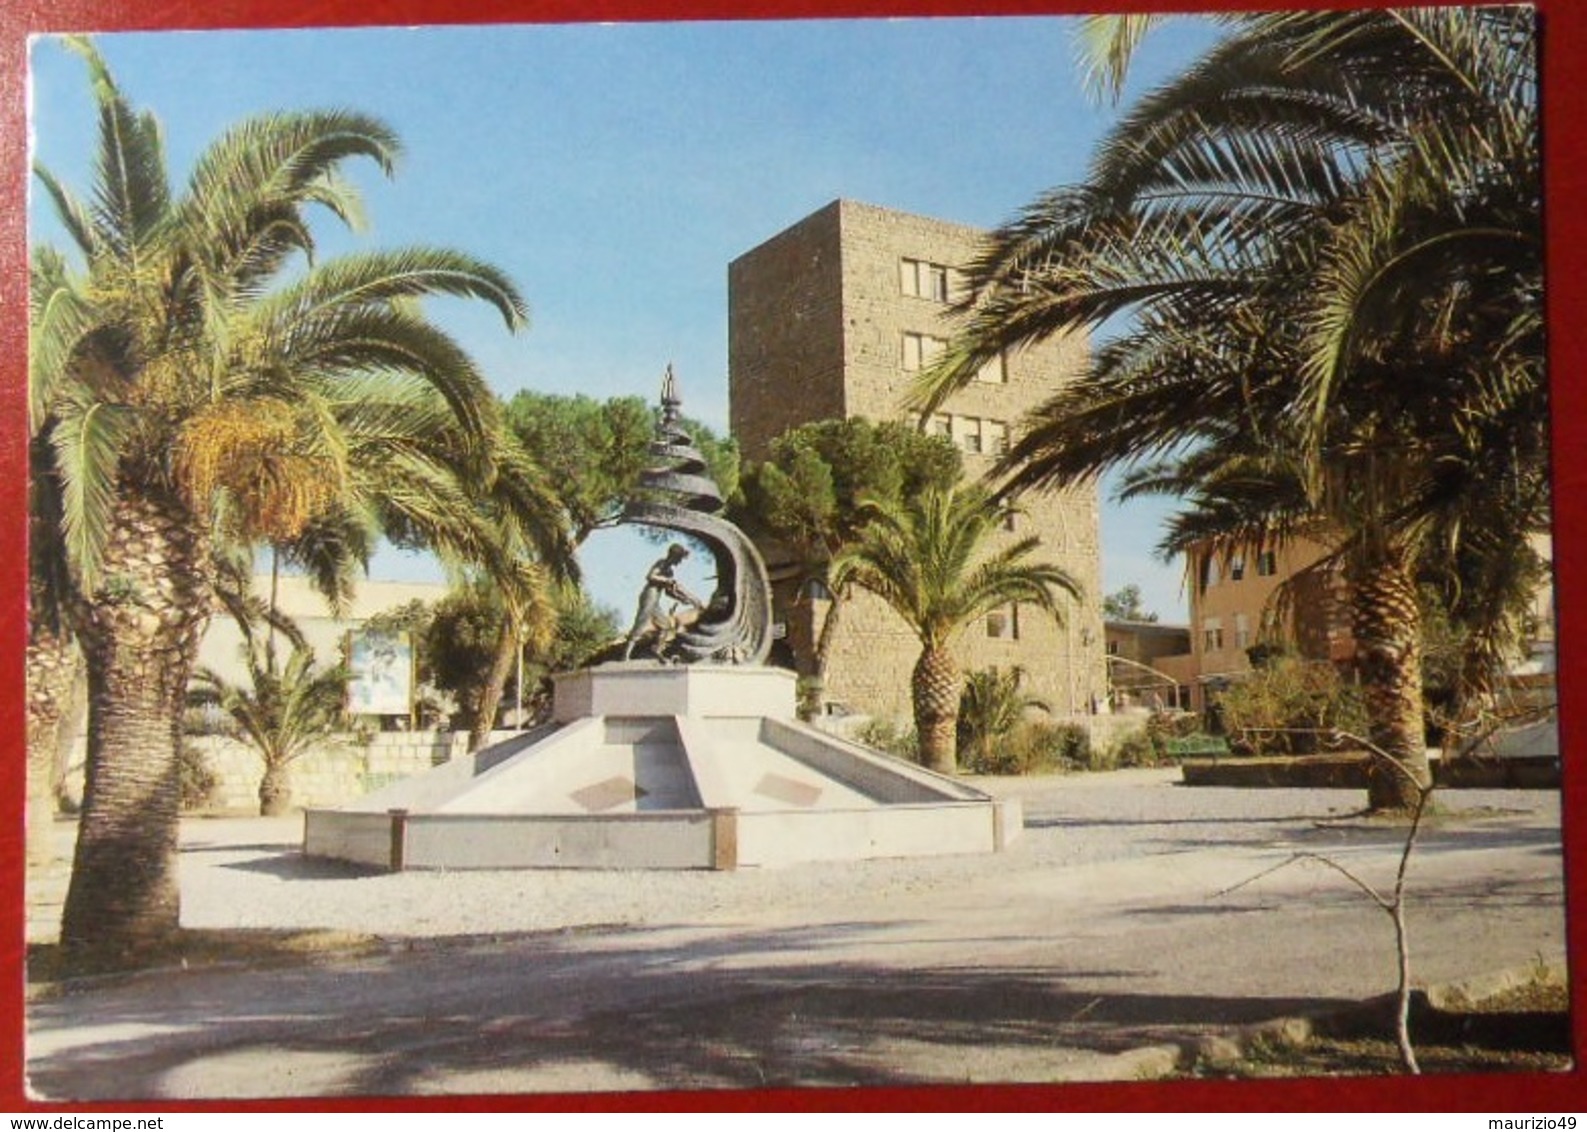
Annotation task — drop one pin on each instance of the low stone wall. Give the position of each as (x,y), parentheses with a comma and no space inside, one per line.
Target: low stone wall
(1349,772)
(1106,731)
(337,770)
(341,768)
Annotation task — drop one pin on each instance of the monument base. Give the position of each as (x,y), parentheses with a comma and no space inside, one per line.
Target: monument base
(655,767)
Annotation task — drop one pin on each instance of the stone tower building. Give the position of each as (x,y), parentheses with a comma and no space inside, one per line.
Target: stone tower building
(833,318)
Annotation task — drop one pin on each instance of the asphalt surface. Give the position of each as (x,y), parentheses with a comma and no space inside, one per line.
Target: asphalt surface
(1132,916)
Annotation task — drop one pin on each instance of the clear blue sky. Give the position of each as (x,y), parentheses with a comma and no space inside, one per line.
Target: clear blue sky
(615,170)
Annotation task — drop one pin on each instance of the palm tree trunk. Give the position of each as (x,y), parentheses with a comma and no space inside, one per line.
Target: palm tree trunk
(816,692)
(139,636)
(1386,622)
(52,665)
(829,631)
(275,790)
(490,694)
(934,687)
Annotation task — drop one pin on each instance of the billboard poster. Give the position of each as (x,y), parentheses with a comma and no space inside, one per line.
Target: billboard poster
(379,673)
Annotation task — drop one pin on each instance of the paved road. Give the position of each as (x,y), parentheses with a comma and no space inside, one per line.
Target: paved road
(1108,927)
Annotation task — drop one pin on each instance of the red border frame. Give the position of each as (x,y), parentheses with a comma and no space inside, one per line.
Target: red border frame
(1565,110)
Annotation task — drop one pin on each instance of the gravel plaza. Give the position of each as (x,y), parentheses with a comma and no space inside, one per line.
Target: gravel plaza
(1131,918)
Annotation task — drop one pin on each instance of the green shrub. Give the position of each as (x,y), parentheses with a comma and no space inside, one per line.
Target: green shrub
(887,736)
(1101,757)
(808,692)
(1288,707)
(1137,749)
(1164,725)
(1036,747)
(195,781)
(992,707)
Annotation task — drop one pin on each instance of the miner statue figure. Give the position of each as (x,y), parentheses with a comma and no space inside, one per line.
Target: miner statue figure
(649,621)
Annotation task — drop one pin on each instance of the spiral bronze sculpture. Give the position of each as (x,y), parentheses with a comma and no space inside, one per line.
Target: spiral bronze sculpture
(678,493)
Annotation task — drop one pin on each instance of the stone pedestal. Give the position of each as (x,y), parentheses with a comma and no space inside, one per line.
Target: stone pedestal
(644,688)
(654,767)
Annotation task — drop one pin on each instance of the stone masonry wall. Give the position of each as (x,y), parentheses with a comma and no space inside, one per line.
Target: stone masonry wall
(339,769)
(785,342)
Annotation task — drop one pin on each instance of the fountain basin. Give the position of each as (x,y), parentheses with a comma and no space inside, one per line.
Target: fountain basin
(656,767)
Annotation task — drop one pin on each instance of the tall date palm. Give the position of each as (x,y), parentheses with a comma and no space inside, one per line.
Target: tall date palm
(932,559)
(215,386)
(1324,238)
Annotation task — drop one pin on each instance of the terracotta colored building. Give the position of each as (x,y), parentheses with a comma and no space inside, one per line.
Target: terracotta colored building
(1230,596)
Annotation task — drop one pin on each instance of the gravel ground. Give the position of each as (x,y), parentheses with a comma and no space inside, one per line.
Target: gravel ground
(1133,916)
(245,873)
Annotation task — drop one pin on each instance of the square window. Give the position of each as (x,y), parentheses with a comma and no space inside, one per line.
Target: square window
(1003,624)
(996,434)
(969,434)
(922,280)
(920,351)
(994,372)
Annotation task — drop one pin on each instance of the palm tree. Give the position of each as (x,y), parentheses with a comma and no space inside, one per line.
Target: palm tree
(930,557)
(530,622)
(213,392)
(1325,238)
(992,705)
(53,661)
(806,501)
(280,712)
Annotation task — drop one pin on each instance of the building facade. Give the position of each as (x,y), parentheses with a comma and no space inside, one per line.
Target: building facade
(324,630)
(1232,603)
(834,317)
(1233,607)
(1150,665)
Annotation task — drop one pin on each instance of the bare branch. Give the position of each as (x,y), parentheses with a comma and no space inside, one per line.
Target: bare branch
(1297,858)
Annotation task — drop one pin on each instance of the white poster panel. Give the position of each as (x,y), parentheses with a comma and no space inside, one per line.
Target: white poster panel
(380,673)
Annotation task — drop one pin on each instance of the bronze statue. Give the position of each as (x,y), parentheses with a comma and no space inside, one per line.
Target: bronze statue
(659,583)
(734,627)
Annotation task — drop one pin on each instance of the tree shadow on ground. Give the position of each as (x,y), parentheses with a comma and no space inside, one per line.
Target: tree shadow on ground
(1312,835)
(648,1008)
(296,866)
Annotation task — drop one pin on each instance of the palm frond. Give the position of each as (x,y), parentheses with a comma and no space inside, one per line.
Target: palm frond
(376,279)
(131,193)
(1105,47)
(89,440)
(59,317)
(375,340)
(267,168)
(71,211)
